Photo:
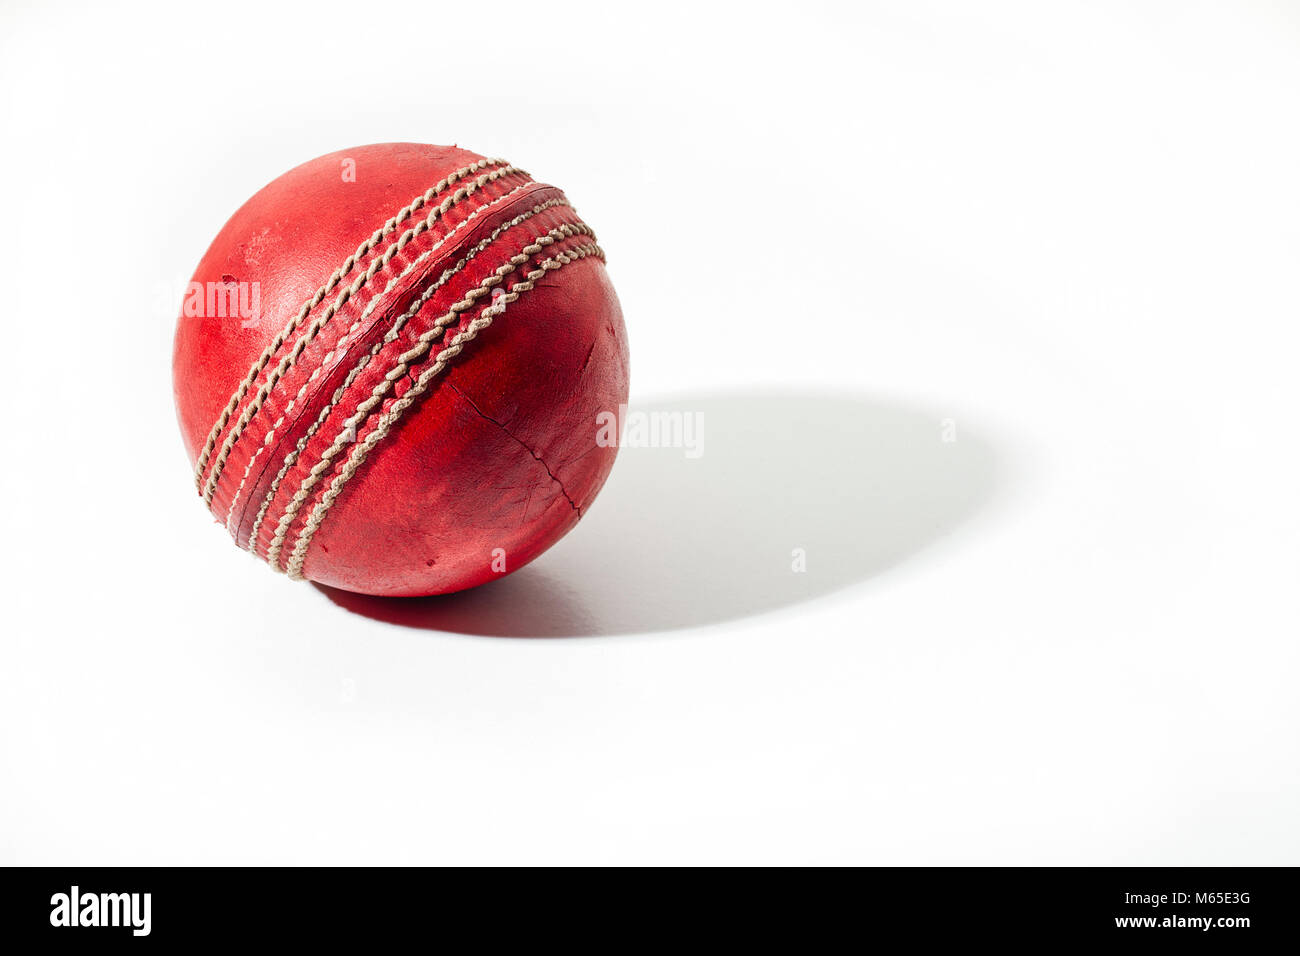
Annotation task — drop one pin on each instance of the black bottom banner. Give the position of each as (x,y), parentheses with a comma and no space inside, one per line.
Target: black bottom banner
(1228,909)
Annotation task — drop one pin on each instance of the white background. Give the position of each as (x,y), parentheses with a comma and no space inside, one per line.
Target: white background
(1065,234)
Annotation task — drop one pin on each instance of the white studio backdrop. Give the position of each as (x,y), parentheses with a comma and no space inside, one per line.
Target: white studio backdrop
(988,312)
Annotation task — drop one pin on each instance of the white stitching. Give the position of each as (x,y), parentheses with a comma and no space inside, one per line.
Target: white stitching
(286,363)
(389,418)
(390,336)
(338,346)
(363,409)
(402,215)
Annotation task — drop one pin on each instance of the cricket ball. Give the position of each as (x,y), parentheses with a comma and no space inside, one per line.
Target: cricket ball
(389,366)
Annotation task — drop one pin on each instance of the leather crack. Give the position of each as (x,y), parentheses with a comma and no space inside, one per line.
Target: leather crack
(522,444)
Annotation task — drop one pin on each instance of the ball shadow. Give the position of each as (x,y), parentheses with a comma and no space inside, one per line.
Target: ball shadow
(849,486)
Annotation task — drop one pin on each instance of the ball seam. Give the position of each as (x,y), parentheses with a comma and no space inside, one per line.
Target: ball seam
(365,407)
(388,337)
(389,418)
(288,361)
(343,340)
(335,278)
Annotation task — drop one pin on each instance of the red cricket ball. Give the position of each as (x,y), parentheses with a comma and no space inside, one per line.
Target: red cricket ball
(389,365)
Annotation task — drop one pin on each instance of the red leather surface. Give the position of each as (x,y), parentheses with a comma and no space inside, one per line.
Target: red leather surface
(493,463)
